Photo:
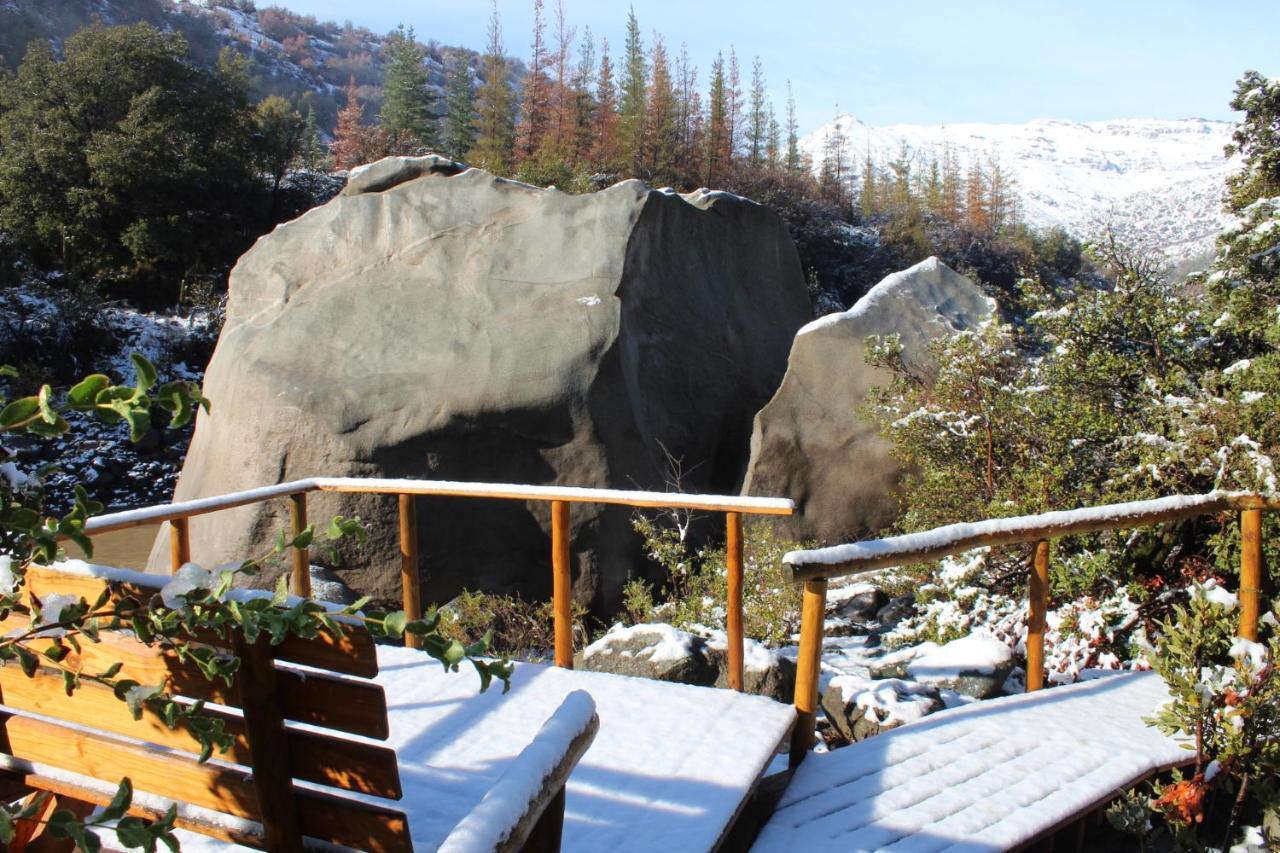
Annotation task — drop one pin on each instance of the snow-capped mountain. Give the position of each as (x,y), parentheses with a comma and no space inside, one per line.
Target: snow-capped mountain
(1159,183)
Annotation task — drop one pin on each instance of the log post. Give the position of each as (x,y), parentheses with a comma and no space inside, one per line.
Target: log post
(561,584)
(301,556)
(410,582)
(733,616)
(812,613)
(268,746)
(1250,572)
(1039,601)
(179,543)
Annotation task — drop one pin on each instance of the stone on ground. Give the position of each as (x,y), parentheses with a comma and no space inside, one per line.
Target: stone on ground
(974,666)
(859,708)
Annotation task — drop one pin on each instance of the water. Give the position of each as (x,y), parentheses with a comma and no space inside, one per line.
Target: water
(125,549)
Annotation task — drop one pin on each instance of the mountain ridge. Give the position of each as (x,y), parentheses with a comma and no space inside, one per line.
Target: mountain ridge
(1157,182)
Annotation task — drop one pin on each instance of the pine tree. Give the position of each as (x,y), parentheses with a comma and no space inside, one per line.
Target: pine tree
(689,121)
(976,214)
(558,142)
(660,141)
(535,108)
(350,137)
(1001,200)
(634,93)
(951,178)
(793,134)
(733,106)
(584,114)
(869,195)
(716,159)
(606,148)
(833,172)
(460,100)
(313,150)
(495,123)
(408,106)
(757,117)
(773,142)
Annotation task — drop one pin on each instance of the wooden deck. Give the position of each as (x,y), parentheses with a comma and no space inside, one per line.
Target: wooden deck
(990,776)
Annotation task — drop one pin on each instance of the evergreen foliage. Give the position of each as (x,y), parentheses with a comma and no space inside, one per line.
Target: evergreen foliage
(408,103)
(460,109)
(126,164)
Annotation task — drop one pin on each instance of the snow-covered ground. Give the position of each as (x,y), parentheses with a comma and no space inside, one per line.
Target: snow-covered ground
(1159,182)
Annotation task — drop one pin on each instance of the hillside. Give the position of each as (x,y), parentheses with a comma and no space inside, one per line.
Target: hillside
(305,60)
(1158,182)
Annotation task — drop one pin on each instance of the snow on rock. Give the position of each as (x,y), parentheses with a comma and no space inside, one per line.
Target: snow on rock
(986,777)
(974,666)
(859,707)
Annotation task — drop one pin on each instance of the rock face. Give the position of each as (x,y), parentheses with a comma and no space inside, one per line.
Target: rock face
(664,653)
(812,442)
(447,324)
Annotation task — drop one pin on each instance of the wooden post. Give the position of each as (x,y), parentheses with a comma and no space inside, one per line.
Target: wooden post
(268,746)
(812,613)
(733,616)
(1250,572)
(179,543)
(410,582)
(1039,597)
(301,556)
(561,584)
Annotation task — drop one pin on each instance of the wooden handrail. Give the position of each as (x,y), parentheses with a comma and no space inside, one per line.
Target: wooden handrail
(814,567)
(840,560)
(560,497)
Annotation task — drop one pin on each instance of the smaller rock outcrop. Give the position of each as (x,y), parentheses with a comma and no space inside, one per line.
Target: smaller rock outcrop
(974,666)
(665,653)
(860,708)
(813,442)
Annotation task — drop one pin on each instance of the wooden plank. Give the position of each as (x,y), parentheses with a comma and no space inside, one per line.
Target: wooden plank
(410,581)
(1250,573)
(353,653)
(1038,598)
(813,609)
(316,757)
(334,702)
(264,728)
(561,584)
(229,790)
(733,603)
(301,556)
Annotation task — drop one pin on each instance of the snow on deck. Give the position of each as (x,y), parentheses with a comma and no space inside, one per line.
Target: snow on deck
(667,771)
(987,776)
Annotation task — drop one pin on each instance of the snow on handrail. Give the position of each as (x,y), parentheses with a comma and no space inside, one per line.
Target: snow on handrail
(571,494)
(941,542)
(447,488)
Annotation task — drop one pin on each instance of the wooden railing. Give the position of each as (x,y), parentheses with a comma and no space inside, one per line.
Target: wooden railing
(560,497)
(814,568)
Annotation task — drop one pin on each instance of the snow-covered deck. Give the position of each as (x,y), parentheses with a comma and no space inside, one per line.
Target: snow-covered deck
(668,770)
(985,777)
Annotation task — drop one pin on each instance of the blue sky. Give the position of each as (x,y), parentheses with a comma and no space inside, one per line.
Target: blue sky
(924,61)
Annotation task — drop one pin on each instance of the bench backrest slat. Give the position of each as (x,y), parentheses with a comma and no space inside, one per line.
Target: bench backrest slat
(81,733)
(351,654)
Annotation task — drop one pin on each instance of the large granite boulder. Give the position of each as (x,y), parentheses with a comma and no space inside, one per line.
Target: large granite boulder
(812,442)
(444,323)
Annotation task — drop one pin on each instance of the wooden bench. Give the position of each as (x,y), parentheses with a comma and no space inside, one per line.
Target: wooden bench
(280,782)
